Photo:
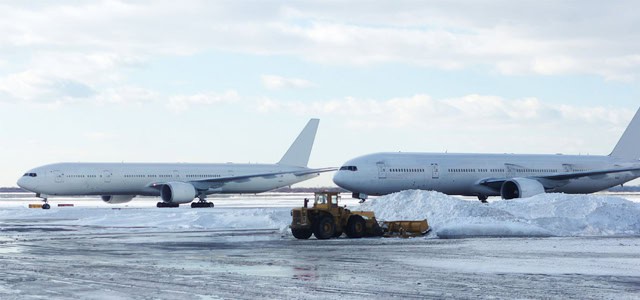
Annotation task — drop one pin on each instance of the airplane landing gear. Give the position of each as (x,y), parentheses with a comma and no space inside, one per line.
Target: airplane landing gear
(165,204)
(361,196)
(483,198)
(45,200)
(202,202)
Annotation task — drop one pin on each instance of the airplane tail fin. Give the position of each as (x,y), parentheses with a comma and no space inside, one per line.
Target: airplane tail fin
(299,152)
(628,146)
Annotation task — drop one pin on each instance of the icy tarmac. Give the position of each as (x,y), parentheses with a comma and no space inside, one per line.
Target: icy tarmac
(242,249)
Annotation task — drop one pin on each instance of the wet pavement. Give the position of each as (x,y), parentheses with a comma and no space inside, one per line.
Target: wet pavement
(41,259)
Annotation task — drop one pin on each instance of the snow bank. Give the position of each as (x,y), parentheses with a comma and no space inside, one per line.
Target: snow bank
(541,215)
(156,219)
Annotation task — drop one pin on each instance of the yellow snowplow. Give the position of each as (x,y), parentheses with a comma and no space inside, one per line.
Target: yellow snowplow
(326,219)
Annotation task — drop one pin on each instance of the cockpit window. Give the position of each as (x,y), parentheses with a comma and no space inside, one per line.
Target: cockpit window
(30,174)
(348,168)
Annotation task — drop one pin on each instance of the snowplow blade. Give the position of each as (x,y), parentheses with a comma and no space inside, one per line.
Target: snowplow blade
(405,228)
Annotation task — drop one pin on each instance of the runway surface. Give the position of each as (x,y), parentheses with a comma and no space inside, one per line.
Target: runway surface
(54,256)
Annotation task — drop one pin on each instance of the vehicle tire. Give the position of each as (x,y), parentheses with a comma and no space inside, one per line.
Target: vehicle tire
(301,233)
(324,228)
(356,227)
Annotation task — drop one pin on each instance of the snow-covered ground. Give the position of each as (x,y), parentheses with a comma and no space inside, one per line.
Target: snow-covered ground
(243,249)
(448,216)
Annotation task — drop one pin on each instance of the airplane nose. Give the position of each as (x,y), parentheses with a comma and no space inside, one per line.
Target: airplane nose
(21,183)
(339,179)
(26,183)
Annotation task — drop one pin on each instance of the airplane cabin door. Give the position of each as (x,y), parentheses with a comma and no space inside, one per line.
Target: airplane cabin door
(510,171)
(435,171)
(106,175)
(382,170)
(59,176)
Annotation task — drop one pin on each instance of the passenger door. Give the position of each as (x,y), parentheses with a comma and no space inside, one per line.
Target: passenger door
(435,171)
(106,176)
(59,177)
(382,170)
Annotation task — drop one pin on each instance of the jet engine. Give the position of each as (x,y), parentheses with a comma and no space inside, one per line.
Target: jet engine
(178,192)
(117,199)
(520,188)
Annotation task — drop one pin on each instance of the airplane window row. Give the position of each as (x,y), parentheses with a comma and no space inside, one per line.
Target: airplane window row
(407,170)
(203,176)
(348,168)
(536,171)
(81,176)
(461,170)
(502,170)
(30,174)
(150,176)
(168,176)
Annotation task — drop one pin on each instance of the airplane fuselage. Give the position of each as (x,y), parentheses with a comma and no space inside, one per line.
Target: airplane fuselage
(460,174)
(70,179)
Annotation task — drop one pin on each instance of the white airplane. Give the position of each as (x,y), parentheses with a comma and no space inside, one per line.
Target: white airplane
(175,183)
(482,175)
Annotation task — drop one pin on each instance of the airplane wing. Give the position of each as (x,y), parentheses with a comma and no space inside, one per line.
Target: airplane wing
(242,178)
(554,180)
(203,184)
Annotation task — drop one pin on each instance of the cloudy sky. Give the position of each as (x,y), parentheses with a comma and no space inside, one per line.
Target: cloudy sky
(222,81)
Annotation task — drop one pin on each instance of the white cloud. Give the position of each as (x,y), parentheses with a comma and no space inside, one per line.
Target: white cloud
(99,136)
(184,102)
(466,112)
(274,82)
(42,88)
(471,123)
(126,95)
(512,37)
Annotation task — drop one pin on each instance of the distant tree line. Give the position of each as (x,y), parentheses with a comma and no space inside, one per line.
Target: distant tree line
(12,190)
(280,190)
(287,189)
(627,188)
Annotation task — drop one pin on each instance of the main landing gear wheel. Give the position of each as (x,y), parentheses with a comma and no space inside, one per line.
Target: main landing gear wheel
(201,204)
(165,204)
(482,198)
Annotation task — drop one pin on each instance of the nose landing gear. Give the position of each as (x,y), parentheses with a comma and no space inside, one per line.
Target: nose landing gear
(45,200)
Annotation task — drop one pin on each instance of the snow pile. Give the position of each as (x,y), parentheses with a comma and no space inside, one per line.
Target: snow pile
(541,215)
(153,218)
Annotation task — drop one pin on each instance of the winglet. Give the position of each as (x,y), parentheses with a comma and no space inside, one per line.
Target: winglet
(299,152)
(628,146)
